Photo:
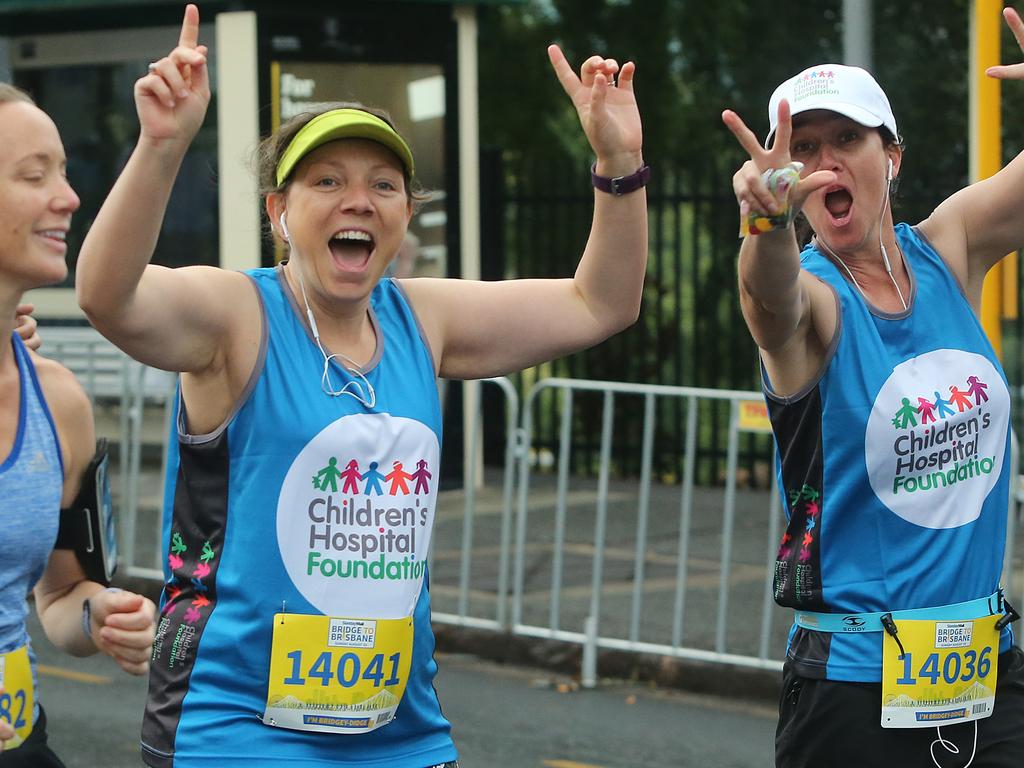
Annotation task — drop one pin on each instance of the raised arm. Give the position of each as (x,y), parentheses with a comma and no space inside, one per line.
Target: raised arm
(777,298)
(974,228)
(773,295)
(488,328)
(173,319)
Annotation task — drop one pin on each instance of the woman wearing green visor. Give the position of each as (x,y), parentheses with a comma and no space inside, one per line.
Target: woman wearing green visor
(295,619)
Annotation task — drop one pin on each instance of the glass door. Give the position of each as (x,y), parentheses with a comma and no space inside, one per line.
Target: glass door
(414,96)
(84,81)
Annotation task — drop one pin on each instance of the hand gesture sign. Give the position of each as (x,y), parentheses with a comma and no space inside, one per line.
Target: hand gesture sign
(1011,71)
(748,183)
(607,112)
(171,100)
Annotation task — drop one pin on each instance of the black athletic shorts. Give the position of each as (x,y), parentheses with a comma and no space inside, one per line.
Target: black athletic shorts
(34,753)
(829,723)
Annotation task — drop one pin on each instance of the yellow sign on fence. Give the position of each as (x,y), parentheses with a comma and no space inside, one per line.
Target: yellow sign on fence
(754,416)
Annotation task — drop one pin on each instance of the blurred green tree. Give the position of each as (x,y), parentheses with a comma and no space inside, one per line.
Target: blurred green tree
(694,59)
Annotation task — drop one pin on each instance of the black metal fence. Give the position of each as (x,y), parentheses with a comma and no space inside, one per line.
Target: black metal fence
(690,333)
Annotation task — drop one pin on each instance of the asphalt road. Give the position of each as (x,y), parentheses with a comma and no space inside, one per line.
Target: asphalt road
(503,717)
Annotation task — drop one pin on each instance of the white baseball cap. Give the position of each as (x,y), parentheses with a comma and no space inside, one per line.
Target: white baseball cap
(850,91)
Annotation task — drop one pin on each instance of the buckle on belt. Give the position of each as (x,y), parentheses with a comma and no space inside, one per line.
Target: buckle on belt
(1010,614)
(890,628)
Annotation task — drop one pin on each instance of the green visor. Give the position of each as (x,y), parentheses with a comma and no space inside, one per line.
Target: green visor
(342,124)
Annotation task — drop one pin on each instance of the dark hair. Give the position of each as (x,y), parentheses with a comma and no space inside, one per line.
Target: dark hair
(802,227)
(270,150)
(888,139)
(11,94)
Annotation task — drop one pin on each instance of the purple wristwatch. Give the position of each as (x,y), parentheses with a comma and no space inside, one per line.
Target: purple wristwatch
(620,185)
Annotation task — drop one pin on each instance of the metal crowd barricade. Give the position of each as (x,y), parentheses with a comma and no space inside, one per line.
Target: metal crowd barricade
(462,615)
(111,378)
(147,387)
(592,636)
(1010,578)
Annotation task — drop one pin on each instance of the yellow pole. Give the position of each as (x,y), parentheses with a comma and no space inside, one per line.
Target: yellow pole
(985,130)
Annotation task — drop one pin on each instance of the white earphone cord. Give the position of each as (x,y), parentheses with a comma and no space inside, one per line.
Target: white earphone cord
(881,242)
(952,748)
(367,396)
(881,245)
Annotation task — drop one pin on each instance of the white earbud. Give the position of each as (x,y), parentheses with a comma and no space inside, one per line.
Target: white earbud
(889,177)
(284,227)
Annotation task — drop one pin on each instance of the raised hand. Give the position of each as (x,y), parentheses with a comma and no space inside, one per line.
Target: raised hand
(751,192)
(1011,71)
(172,99)
(123,627)
(607,111)
(26,326)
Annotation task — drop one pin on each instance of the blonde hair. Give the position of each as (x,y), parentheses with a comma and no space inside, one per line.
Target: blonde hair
(12,94)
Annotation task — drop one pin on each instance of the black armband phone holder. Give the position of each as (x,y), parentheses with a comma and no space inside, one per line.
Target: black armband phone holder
(87,526)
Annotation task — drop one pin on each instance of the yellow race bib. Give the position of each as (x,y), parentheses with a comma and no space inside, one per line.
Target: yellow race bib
(337,675)
(16,694)
(946,673)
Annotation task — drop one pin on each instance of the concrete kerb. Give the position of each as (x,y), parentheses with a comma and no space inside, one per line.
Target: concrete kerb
(564,658)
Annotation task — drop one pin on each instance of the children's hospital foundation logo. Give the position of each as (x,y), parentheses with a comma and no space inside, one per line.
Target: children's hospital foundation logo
(938,425)
(355,514)
(815,83)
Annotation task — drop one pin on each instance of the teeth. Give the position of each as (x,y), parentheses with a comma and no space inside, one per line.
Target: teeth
(354,235)
(56,234)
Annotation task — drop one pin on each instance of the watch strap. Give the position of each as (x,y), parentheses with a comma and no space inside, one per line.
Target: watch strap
(620,185)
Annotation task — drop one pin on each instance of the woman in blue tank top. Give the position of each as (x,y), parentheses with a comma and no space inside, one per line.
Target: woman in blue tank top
(295,621)
(891,416)
(46,443)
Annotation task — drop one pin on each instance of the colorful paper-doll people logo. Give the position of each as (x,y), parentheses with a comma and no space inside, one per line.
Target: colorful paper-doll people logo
(926,411)
(374,482)
(355,513)
(938,423)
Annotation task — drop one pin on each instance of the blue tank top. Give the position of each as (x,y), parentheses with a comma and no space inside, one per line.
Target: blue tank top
(894,465)
(31,484)
(298,477)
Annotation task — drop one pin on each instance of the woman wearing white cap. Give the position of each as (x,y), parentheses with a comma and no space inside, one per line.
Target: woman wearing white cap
(295,621)
(891,415)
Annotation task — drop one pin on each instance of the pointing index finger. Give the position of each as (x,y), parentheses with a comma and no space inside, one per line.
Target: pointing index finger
(190,27)
(563,71)
(743,135)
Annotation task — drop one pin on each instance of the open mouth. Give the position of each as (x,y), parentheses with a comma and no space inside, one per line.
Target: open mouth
(839,204)
(351,249)
(55,237)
